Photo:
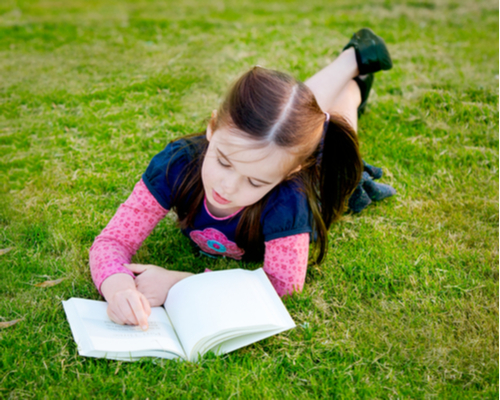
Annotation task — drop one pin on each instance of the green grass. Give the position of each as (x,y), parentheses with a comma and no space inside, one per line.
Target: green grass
(406,304)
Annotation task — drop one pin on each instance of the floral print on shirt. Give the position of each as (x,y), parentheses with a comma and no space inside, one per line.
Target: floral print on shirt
(211,241)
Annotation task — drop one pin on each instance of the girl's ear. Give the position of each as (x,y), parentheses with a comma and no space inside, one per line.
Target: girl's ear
(210,131)
(211,124)
(294,171)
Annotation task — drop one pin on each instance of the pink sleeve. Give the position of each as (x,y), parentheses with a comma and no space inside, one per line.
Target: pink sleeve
(285,262)
(124,234)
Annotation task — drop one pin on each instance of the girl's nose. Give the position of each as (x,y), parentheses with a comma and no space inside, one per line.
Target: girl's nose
(230,184)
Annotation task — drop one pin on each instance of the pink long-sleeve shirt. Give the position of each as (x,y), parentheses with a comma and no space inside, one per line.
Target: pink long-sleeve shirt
(285,259)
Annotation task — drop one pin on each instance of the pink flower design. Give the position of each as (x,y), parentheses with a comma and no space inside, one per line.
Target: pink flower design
(212,241)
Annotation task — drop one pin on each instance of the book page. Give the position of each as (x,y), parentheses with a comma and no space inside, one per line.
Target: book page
(95,332)
(218,303)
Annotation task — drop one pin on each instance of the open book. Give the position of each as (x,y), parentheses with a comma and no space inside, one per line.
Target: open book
(218,311)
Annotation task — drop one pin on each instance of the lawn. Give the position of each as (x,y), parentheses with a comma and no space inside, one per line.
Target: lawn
(406,303)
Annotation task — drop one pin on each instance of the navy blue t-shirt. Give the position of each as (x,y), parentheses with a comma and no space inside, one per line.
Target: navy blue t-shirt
(286,211)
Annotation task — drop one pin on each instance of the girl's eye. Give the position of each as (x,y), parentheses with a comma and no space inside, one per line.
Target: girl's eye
(253,184)
(229,165)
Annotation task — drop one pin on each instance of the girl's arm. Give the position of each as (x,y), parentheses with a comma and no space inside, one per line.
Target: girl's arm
(124,234)
(285,262)
(115,246)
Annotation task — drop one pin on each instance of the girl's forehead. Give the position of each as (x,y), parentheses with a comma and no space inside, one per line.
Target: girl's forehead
(244,150)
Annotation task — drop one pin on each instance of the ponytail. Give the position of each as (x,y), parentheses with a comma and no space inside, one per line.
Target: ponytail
(340,169)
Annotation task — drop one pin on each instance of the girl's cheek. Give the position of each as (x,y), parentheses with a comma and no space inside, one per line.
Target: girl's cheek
(253,195)
(207,167)
(206,177)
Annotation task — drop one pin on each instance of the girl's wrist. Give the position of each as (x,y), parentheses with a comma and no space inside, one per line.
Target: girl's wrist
(115,283)
(177,276)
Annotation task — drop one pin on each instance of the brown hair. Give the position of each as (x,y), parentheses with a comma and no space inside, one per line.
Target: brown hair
(271,107)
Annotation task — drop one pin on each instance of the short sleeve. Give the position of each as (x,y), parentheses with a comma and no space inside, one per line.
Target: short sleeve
(286,213)
(165,171)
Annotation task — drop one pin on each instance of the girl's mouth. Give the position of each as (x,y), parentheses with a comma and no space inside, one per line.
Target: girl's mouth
(218,198)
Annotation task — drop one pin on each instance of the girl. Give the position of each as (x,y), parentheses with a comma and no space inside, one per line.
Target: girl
(273,169)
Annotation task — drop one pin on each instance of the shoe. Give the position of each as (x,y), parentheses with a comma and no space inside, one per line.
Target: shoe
(376,191)
(371,52)
(359,199)
(365,83)
(374,172)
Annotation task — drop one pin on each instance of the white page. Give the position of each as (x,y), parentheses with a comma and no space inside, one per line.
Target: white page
(207,304)
(100,334)
(244,340)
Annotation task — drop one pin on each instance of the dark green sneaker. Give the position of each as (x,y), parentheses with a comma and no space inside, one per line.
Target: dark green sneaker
(371,52)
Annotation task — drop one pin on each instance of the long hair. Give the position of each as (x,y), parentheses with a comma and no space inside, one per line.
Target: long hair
(271,107)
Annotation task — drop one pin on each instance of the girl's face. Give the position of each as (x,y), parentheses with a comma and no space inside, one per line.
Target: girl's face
(235,174)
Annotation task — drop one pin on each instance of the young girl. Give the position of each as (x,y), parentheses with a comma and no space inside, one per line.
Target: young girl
(272,171)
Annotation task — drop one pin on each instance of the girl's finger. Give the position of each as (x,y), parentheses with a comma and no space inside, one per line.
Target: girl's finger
(127,318)
(141,287)
(127,313)
(139,313)
(146,305)
(112,316)
(137,268)
(118,318)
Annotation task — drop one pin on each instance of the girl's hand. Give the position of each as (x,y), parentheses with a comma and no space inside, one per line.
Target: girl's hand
(126,305)
(155,282)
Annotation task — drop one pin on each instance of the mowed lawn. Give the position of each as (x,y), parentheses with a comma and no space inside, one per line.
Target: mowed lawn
(406,303)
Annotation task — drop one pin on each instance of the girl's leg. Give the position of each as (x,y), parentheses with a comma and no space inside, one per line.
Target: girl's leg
(328,83)
(347,102)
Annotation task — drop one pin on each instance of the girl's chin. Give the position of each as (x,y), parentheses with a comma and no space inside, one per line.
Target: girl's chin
(221,210)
